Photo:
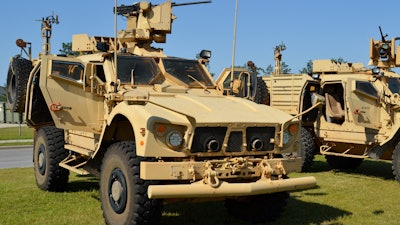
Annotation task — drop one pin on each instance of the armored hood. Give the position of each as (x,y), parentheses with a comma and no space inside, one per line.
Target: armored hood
(214,109)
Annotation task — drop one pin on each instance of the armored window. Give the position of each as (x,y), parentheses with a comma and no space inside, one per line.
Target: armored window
(227,81)
(394,85)
(366,88)
(69,70)
(189,72)
(137,70)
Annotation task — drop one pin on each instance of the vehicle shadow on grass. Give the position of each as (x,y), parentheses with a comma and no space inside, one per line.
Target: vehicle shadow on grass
(369,167)
(205,213)
(83,183)
(374,168)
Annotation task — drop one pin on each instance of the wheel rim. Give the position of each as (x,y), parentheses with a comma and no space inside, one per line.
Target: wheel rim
(41,159)
(117,191)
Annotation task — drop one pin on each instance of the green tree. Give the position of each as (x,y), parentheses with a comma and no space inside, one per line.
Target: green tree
(339,60)
(3,92)
(67,49)
(308,69)
(269,69)
(285,68)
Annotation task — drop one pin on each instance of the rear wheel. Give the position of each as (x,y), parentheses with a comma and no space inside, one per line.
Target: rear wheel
(345,163)
(396,162)
(258,208)
(48,152)
(123,194)
(17,79)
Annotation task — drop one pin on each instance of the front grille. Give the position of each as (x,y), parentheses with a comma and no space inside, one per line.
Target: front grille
(203,135)
(235,142)
(262,133)
(219,139)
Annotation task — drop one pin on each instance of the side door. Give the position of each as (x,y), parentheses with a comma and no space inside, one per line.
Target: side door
(71,102)
(364,104)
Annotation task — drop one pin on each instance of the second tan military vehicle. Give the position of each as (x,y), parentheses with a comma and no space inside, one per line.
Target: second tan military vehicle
(347,111)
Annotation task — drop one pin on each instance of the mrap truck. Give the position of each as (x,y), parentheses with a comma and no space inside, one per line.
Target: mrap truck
(153,128)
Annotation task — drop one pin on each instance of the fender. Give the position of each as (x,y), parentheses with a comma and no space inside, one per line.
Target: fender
(142,118)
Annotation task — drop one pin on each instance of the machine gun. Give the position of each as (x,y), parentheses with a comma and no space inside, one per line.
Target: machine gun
(146,22)
(383,52)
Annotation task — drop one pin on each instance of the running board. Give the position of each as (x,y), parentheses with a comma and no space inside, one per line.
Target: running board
(324,150)
(79,150)
(74,164)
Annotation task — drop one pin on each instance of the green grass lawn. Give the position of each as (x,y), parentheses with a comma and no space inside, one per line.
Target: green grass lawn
(16,133)
(368,196)
(20,134)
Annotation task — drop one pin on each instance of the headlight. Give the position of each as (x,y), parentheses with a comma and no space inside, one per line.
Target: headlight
(286,137)
(170,135)
(174,139)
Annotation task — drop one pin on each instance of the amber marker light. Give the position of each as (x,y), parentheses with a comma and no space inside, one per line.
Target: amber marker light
(160,130)
(293,129)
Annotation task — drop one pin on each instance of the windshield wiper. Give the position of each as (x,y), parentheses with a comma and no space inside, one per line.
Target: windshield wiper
(201,84)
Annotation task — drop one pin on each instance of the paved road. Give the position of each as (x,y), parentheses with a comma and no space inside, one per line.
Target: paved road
(14,157)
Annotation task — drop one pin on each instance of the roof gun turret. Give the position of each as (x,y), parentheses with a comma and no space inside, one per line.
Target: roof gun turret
(383,52)
(147,22)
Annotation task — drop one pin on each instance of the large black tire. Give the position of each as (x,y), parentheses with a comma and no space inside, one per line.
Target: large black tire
(17,79)
(262,95)
(396,162)
(344,163)
(258,208)
(123,194)
(308,148)
(48,152)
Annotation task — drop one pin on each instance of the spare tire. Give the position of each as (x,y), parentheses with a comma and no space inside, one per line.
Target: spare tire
(262,95)
(17,79)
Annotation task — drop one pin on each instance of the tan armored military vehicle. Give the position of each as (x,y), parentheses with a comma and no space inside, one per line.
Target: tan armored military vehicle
(154,128)
(350,112)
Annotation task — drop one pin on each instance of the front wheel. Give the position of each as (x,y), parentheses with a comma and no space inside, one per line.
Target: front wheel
(123,194)
(48,152)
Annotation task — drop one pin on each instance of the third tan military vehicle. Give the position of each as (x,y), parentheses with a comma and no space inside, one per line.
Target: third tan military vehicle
(347,111)
(154,128)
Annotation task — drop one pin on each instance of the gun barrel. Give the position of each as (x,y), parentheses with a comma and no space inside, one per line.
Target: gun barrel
(125,9)
(383,36)
(190,3)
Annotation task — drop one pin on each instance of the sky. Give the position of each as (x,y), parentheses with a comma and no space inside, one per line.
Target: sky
(310,29)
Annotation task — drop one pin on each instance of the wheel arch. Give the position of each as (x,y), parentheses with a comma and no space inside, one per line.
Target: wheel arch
(118,129)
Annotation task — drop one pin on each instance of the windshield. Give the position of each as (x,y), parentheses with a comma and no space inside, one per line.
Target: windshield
(142,69)
(394,85)
(187,71)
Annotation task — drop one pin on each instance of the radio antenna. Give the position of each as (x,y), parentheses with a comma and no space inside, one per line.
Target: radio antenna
(115,37)
(234,43)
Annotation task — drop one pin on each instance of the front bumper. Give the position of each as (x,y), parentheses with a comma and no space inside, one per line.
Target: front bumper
(225,189)
(224,177)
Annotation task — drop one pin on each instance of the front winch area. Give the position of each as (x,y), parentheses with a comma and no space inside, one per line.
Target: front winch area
(213,177)
(225,169)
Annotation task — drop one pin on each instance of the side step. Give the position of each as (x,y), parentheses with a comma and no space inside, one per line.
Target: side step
(75,164)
